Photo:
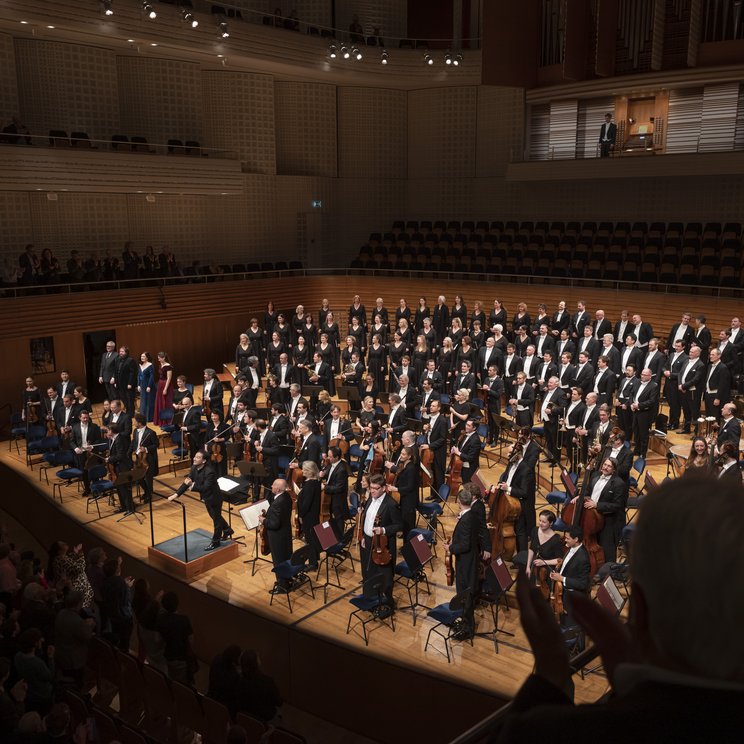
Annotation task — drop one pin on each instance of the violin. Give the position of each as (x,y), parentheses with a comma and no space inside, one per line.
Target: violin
(449,568)
(141,458)
(51,427)
(32,417)
(215,453)
(380,552)
(378,459)
(264,535)
(556,596)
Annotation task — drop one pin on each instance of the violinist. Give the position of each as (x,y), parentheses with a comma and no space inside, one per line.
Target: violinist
(730,428)
(459,412)
(302,415)
(493,389)
(52,403)
(308,507)
(279,423)
(546,546)
(65,417)
(436,441)
(182,391)
(119,457)
(380,517)
(478,507)
(518,480)
(337,487)
(468,450)
(606,494)
(620,454)
(574,573)
(284,372)
(464,546)
(407,484)
(191,425)
(144,447)
(397,421)
(266,449)
(428,394)
(728,465)
(216,438)
(310,447)
(337,428)
(85,434)
(295,397)
(31,402)
(212,392)
(699,460)
(371,440)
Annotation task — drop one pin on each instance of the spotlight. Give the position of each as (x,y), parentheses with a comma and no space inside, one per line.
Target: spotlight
(345,53)
(224,31)
(456,60)
(149,10)
(107,9)
(332,53)
(428,59)
(448,59)
(357,54)
(188,16)
(384,57)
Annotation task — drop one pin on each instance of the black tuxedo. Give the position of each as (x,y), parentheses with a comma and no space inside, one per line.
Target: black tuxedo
(192,422)
(585,378)
(525,401)
(124,422)
(648,406)
(577,571)
(280,427)
(437,441)
(621,334)
(465,547)
(613,358)
(550,420)
(65,388)
(511,369)
(632,356)
(311,449)
(436,380)
(569,347)
(703,339)
(566,376)
(623,463)
(687,336)
(656,364)
(337,487)
(717,388)
(578,321)
(591,347)
(407,483)
(61,413)
(215,397)
(611,507)
(324,375)
(398,420)
(543,344)
(463,381)
(607,137)
(729,431)
(672,394)
(523,487)
(604,385)
(644,333)
(600,327)
(125,374)
(470,450)
(119,456)
(692,389)
(76,442)
(494,357)
(270,450)
(730,357)
(149,442)
(560,324)
(278,521)
(390,519)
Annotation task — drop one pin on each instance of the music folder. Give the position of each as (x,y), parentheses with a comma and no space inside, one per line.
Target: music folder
(498,576)
(326,535)
(609,596)
(416,552)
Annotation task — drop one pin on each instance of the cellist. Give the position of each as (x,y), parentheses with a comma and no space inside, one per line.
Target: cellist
(574,573)
(468,450)
(406,473)
(144,447)
(215,438)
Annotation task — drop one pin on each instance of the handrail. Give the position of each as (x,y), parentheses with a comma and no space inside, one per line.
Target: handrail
(617,285)
(78,144)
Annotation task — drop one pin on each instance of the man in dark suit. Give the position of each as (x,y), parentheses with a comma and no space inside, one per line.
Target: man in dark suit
(566,373)
(436,441)
(266,444)
(463,379)
(319,373)
(645,406)
(52,404)
(674,364)
(493,386)
(607,136)
(118,456)
(589,417)
(65,386)
(622,457)
(691,379)
(428,394)
(630,354)
(212,392)
(118,416)
(311,447)
(717,385)
(643,332)
(65,417)
(607,349)
(626,389)
(551,408)
(488,355)
(512,366)
(468,450)
(278,522)
(522,400)
(601,325)
(560,321)
(125,374)
(606,494)
(337,487)
(85,434)
(377,581)
(145,441)
(578,320)
(191,425)
(279,423)
(702,337)
(604,382)
(434,376)
(681,331)
(729,354)
(622,328)
(397,418)
(464,545)
(518,480)
(655,360)
(107,371)
(584,373)
(565,345)
(543,341)
(284,372)
(574,573)
(730,428)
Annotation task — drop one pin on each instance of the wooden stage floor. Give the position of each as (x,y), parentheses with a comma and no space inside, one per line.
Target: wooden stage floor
(479,665)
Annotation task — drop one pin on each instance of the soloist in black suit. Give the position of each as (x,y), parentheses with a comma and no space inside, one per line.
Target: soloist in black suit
(149,443)
(119,456)
(372,574)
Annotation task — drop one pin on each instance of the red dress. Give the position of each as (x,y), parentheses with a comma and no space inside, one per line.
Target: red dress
(163,400)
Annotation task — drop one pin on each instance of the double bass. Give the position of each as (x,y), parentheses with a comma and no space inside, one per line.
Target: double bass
(454,471)
(502,513)
(590,521)
(264,534)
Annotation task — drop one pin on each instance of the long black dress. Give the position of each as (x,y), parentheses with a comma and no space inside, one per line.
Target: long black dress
(396,353)
(377,365)
(550,549)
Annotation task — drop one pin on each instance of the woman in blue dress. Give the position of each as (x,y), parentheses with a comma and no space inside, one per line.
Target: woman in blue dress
(146,385)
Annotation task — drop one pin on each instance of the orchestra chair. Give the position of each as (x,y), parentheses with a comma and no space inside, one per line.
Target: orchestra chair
(558,498)
(334,557)
(255,729)
(366,613)
(295,571)
(131,689)
(180,453)
(68,475)
(431,511)
(639,466)
(353,509)
(167,428)
(218,720)
(282,736)
(411,581)
(234,450)
(17,431)
(159,704)
(447,616)
(51,460)
(38,445)
(100,486)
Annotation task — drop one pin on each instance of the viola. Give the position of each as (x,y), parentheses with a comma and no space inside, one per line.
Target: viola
(556,596)
(454,475)
(449,568)
(381,555)
(32,417)
(215,453)
(141,459)
(264,535)
(207,408)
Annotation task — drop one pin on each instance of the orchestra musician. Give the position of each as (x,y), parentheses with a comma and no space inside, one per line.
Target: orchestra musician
(215,442)
(620,454)
(436,441)
(730,428)
(65,418)
(727,464)
(31,400)
(459,413)
(522,399)
(377,580)
(574,572)
(202,479)
(212,392)
(191,425)
(118,456)
(519,481)
(572,418)
(310,445)
(468,450)
(675,363)
(717,385)
(336,481)
(266,447)
(278,521)
(279,423)
(284,373)
(85,434)
(336,427)
(144,440)
(406,482)
(65,385)
(645,406)
(545,547)
(606,494)
(584,374)
(397,421)
(589,417)
(81,401)
(604,382)
(52,405)
(552,404)
(120,417)
(699,460)
(308,508)
(464,545)
(690,383)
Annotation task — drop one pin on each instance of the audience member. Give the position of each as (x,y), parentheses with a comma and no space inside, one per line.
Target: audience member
(224,678)
(176,631)
(257,693)
(72,635)
(38,672)
(117,603)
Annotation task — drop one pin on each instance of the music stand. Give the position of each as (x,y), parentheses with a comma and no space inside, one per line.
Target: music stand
(327,539)
(230,487)
(252,470)
(417,554)
(127,478)
(415,425)
(610,598)
(498,581)
(311,391)
(233,450)
(501,423)
(384,397)
(250,516)
(348,393)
